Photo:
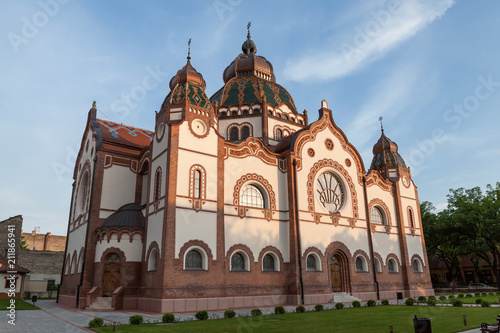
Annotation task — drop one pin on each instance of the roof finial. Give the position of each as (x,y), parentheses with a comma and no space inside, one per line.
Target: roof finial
(189,49)
(94,105)
(381,125)
(248,28)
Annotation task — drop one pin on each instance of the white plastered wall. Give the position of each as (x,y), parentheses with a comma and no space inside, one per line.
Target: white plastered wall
(118,187)
(255,121)
(415,246)
(132,250)
(192,225)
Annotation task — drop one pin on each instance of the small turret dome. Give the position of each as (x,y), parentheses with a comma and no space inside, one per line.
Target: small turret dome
(385,153)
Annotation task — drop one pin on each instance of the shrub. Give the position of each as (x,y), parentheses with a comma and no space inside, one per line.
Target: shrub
(201,315)
(451,297)
(300,309)
(484,294)
(256,312)
(229,314)
(318,307)
(168,318)
(493,294)
(478,301)
(422,299)
(410,301)
(279,310)
(371,302)
(468,295)
(485,304)
(431,298)
(442,297)
(339,306)
(460,295)
(135,320)
(356,304)
(431,302)
(96,322)
(457,303)
(385,302)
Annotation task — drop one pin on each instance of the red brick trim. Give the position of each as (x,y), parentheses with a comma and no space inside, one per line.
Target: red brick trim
(254,178)
(398,263)
(276,252)
(153,246)
(380,260)
(361,253)
(422,263)
(110,250)
(197,243)
(382,205)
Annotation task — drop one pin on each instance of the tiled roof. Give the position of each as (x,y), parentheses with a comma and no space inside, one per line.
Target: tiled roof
(123,134)
(4,267)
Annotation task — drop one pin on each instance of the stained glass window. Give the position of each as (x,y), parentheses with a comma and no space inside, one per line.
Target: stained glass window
(245,132)
(237,262)
(311,263)
(279,134)
(234,134)
(194,260)
(268,263)
(412,225)
(377,216)
(416,266)
(113,257)
(197,183)
(360,265)
(251,196)
(391,266)
(330,191)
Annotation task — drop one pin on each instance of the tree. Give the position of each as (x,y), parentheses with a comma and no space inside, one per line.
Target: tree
(22,243)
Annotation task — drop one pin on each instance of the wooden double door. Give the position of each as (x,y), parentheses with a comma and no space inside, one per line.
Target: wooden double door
(111,275)
(336,274)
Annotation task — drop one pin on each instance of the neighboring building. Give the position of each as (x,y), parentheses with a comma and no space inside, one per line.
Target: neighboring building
(11,284)
(44,267)
(236,201)
(481,273)
(44,242)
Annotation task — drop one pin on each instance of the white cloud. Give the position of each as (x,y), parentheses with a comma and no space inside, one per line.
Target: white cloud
(383,30)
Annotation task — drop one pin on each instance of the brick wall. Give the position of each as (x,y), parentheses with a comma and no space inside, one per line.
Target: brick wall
(44,242)
(42,262)
(17,221)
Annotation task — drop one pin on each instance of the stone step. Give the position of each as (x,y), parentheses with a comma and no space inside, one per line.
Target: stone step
(339,297)
(101,303)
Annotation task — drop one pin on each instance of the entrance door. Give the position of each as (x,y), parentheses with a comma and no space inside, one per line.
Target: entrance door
(336,273)
(111,278)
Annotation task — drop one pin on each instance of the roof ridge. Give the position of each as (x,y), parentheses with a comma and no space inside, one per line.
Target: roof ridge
(113,122)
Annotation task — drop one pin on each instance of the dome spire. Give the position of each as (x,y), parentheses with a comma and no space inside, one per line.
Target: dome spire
(381,125)
(189,50)
(248,46)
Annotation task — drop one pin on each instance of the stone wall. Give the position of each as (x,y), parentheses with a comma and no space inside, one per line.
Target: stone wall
(16,221)
(44,242)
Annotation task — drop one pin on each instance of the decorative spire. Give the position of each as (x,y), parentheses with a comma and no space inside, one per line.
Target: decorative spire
(381,125)
(189,50)
(248,28)
(94,105)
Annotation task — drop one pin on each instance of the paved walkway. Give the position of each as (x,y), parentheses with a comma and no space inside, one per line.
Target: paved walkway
(55,318)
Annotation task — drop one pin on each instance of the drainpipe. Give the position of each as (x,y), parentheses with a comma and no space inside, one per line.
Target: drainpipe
(370,241)
(87,234)
(67,237)
(297,225)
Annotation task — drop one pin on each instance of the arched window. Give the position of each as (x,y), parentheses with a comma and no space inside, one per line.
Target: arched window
(233,136)
(234,113)
(279,134)
(378,266)
(330,191)
(301,122)
(85,189)
(237,262)
(197,184)
(73,264)
(251,196)
(377,216)
(245,112)
(223,114)
(410,217)
(392,266)
(285,117)
(194,260)
(417,267)
(311,263)
(153,260)
(67,266)
(268,263)
(157,187)
(270,113)
(286,133)
(113,257)
(360,264)
(256,111)
(245,132)
(80,263)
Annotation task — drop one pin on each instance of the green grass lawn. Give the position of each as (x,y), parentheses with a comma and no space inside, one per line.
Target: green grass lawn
(374,319)
(5,302)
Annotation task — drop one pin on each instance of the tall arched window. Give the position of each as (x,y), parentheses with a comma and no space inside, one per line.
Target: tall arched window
(245,112)
(285,117)
(360,264)
(311,263)
(251,196)
(410,217)
(157,187)
(222,114)
(279,134)
(268,263)
(377,216)
(237,262)
(194,260)
(234,113)
(392,266)
(417,267)
(378,267)
(233,136)
(197,184)
(245,132)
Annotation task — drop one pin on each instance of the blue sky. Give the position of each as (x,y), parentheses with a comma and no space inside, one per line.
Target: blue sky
(430,68)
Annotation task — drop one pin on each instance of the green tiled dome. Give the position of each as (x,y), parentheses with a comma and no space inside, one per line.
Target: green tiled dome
(387,157)
(249,90)
(196,95)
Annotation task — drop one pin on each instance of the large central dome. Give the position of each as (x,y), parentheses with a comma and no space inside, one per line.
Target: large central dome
(250,78)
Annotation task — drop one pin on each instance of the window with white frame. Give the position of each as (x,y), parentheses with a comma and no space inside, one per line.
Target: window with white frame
(252,196)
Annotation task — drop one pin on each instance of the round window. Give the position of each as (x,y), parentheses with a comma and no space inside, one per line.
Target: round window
(330,191)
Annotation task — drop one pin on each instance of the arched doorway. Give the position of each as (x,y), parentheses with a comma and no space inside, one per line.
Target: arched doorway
(336,273)
(339,272)
(111,274)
